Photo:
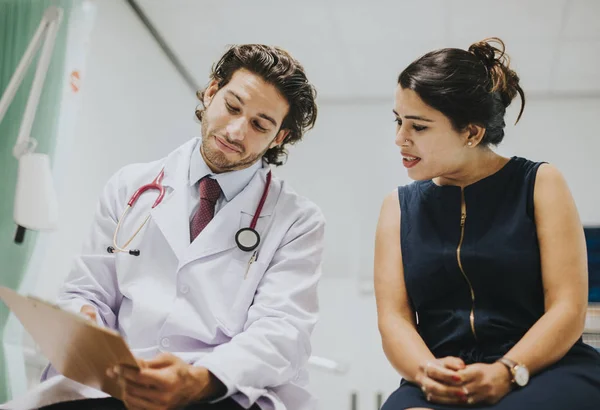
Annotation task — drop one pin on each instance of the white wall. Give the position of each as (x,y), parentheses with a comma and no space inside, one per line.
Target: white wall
(347,164)
(347,333)
(136,108)
(564,133)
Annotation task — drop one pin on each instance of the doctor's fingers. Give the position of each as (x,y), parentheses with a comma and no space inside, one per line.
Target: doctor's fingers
(162,360)
(88,311)
(141,363)
(144,377)
(163,380)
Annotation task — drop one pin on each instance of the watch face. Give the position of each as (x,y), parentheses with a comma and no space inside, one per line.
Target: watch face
(521,376)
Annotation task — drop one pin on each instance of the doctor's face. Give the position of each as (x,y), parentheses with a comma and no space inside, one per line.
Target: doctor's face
(241,122)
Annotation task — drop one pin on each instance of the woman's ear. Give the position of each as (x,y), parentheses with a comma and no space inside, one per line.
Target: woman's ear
(475,134)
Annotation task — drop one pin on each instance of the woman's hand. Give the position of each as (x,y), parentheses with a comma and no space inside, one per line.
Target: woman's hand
(485,383)
(441,382)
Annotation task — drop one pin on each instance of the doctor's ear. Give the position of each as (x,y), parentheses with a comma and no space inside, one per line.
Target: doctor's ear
(279,138)
(210,92)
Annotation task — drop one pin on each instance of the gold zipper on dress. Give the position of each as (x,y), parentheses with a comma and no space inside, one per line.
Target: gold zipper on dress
(463,217)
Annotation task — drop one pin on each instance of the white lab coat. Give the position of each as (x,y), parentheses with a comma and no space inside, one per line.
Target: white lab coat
(251,326)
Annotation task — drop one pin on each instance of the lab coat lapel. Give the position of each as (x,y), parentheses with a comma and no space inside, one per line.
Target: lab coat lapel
(172,215)
(219,234)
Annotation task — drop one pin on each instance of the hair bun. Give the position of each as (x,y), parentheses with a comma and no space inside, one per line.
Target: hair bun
(487,53)
(502,78)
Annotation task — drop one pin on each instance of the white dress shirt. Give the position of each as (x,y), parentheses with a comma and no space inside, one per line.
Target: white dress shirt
(231,183)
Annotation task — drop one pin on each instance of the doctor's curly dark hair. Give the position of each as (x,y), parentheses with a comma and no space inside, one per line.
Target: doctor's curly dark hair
(279,68)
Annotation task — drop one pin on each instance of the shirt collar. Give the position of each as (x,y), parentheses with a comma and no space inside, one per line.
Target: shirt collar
(231,183)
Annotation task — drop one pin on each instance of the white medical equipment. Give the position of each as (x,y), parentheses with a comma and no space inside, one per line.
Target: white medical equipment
(36,205)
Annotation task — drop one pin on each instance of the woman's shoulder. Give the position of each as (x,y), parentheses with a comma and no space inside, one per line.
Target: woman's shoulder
(527,165)
(415,192)
(538,171)
(402,195)
(415,186)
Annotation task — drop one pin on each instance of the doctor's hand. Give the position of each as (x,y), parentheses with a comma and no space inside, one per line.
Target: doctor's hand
(486,383)
(89,311)
(440,381)
(165,382)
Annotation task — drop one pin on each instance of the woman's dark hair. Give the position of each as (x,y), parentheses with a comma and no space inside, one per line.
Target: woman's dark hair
(468,87)
(277,67)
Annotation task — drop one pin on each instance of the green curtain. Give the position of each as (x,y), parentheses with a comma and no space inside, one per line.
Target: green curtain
(19,19)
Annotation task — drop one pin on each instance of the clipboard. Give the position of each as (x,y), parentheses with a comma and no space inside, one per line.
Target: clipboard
(77,347)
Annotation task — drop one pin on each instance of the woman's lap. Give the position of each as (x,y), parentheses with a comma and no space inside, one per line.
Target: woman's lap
(569,386)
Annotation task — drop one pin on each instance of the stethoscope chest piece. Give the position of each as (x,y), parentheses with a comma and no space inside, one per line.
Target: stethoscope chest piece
(247,239)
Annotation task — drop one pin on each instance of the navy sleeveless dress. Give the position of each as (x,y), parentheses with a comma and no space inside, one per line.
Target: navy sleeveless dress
(474,279)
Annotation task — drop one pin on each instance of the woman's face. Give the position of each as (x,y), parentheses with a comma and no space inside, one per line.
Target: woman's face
(429,144)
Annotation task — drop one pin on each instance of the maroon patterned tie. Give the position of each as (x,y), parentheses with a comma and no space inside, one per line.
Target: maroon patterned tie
(210,191)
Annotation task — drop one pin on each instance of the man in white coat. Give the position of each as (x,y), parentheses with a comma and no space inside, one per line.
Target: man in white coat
(215,324)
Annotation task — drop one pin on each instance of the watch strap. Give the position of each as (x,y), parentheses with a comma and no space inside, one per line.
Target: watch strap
(511,364)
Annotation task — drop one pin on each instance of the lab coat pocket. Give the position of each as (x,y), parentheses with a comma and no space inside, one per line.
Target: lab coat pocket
(244,278)
(155,258)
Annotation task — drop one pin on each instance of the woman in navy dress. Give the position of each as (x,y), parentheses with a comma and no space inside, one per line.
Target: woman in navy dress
(480,264)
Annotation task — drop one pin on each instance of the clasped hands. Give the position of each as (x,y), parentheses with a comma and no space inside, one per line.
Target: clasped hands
(450,381)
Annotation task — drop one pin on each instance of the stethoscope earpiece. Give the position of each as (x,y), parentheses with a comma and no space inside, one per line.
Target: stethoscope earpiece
(134,252)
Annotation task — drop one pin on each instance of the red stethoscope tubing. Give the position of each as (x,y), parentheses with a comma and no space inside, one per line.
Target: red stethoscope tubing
(157,184)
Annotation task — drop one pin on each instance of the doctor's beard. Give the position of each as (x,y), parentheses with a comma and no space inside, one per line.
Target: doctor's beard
(217,159)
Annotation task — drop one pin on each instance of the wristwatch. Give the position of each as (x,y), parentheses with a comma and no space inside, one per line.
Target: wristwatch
(519,372)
